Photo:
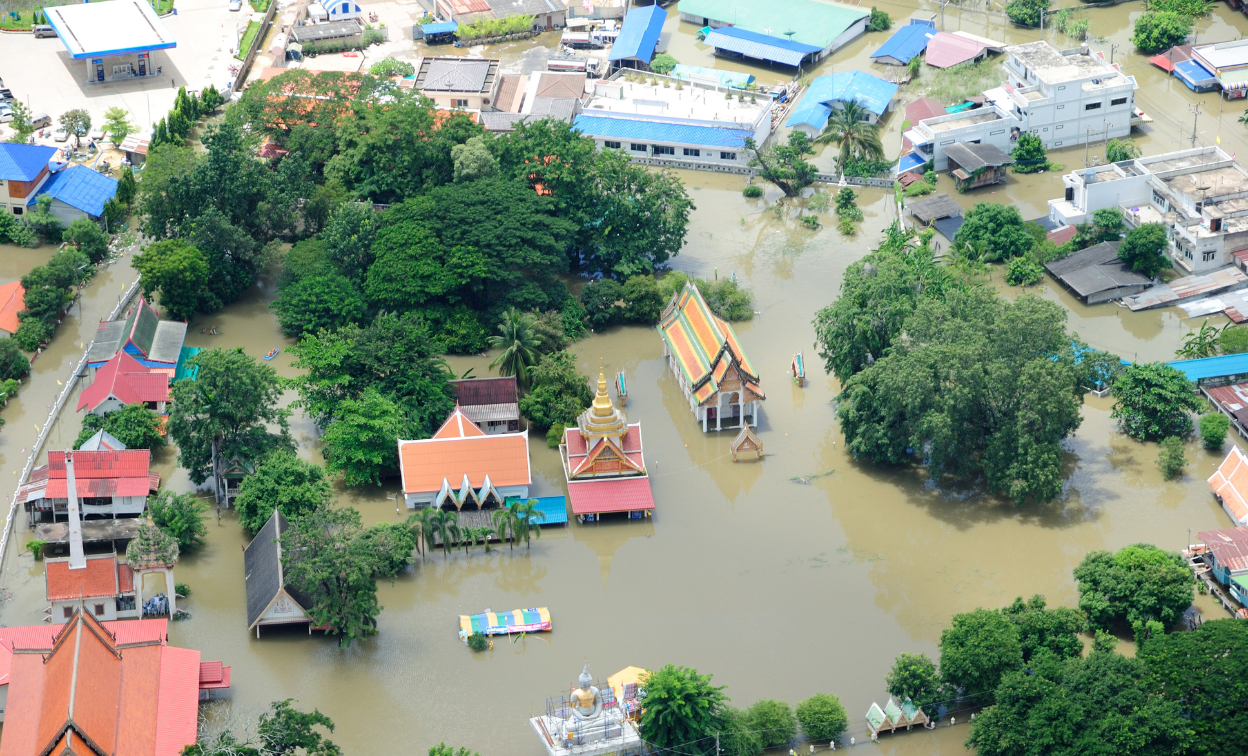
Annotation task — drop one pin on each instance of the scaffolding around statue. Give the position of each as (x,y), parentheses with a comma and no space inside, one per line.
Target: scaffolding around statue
(588,721)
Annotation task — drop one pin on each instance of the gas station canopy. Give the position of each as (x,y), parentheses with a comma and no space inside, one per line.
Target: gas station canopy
(115,27)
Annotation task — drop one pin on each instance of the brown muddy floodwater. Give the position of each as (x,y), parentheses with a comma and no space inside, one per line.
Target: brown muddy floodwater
(780,589)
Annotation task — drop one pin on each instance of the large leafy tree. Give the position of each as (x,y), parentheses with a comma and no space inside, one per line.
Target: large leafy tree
(1042,630)
(1205,674)
(321,302)
(326,556)
(87,236)
(413,269)
(999,227)
(134,425)
(284,482)
(181,516)
(177,272)
(1144,249)
(558,394)
(1026,12)
(1099,706)
(280,731)
(228,406)
(980,386)
(1136,584)
(360,441)
(349,236)
(1156,31)
(683,710)
(848,128)
(392,544)
(1154,401)
(785,164)
(822,717)
(977,650)
(1029,155)
(914,676)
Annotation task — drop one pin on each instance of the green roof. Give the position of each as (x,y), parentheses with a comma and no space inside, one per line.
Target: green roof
(810,22)
(1241,581)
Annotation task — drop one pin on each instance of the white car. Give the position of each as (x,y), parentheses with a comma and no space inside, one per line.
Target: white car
(236,5)
(97,134)
(61,135)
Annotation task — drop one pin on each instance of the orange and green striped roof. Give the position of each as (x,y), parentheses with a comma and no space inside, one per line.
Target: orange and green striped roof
(703,345)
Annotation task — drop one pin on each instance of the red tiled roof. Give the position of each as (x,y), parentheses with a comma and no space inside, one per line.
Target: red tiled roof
(461,448)
(610,495)
(125,578)
(1230,485)
(1062,235)
(97,580)
(41,638)
(177,700)
(127,380)
(12,301)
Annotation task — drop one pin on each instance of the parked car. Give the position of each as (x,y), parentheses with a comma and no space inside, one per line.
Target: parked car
(40,121)
(97,134)
(43,30)
(61,135)
(236,5)
(6,114)
(6,95)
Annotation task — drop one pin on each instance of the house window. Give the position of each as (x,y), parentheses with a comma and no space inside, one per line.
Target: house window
(1160,201)
(1206,257)
(69,611)
(18,210)
(637,147)
(727,156)
(1055,128)
(1118,101)
(660,149)
(99,610)
(690,152)
(459,103)
(1092,106)
(1057,144)
(998,131)
(1059,107)
(1062,87)
(611,145)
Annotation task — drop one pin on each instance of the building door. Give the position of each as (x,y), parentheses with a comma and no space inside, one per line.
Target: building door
(99,70)
(142,64)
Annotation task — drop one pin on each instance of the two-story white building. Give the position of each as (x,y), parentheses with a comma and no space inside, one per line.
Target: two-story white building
(1200,195)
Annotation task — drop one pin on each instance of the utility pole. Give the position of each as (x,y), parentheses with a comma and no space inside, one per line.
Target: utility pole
(1195,118)
(1086,143)
(942,14)
(1112,50)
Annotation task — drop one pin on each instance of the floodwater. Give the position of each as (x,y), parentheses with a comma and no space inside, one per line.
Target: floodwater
(779,587)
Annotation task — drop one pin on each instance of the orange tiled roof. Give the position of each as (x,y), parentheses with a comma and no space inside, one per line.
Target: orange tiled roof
(704,346)
(98,580)
(1230,484)
(460,448)
(12,301)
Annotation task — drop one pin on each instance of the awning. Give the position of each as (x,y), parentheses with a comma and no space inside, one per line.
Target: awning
(440,28)
(1233,80)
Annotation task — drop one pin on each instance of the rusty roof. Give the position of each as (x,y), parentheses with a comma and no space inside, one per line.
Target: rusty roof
(1229,547)
(474,391)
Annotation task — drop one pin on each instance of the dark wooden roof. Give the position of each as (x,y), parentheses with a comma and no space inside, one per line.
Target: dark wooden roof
(475,391)
(934,208)
(1095,269)
(971,157)
(262,569)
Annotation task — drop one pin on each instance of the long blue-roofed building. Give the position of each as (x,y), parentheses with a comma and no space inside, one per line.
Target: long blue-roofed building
(639,36)
(828,93)
(731,41)
(781,29)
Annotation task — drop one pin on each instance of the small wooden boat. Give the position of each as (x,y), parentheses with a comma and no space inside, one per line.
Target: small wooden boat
(621,387)
(272,353)
(504,623)
(798,369)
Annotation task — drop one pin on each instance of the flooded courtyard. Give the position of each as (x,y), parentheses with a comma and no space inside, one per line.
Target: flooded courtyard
(805,572)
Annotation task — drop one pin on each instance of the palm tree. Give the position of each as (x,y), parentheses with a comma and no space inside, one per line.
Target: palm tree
(481,535)
(421,525)
(446,524)
(519,344)
(505,523)
(848,129)
(527,516)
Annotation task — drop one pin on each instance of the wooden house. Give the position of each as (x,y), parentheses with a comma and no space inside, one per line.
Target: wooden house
(462,468)
(270,601)
(112,483)
(974,164)
(491,403)
(702,350)
(154,343)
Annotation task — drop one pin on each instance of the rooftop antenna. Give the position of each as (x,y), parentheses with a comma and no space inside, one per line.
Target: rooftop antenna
(77,559)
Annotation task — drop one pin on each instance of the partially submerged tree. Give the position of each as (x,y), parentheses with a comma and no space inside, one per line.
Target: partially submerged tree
(977,650)
(785,164)
(850,129)
(134,425)
(284,482)
(181,516)
(1136,583)
(682,709)
(1154,401)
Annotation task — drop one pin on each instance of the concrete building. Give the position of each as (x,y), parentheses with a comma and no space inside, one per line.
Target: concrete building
(461,468)
(686,121)
(1199,195)
(464,83)
(113,39)
(23,169)
(823,27)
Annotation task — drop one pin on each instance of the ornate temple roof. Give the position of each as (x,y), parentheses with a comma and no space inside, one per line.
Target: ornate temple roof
(704,346)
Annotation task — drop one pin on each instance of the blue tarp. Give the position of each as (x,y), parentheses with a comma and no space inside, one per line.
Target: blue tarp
(639,34)
(1213,367)
(726,78)
(872,93)
(647,132)
(439,28)
(1195,76)
(908,42)
(760,46)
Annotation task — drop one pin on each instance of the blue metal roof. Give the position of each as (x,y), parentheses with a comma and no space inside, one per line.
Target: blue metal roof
(639,34)
(1192,73)
(23,162)
(910,161)
(1213,367)
(79,187)
(662,131)
(726,78)
(872,93)
(439,28)
(760,46)
(555,509)
(908,42)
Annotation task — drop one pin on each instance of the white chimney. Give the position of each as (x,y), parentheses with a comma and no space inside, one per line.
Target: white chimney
(77,559)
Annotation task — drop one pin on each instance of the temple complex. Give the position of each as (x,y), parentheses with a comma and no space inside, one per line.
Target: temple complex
(702,350)
(587,722)
(603,464)
(462,468)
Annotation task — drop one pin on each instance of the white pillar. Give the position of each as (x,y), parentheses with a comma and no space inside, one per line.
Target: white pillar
(77,558)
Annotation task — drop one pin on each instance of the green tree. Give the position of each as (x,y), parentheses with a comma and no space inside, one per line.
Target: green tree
(285,730)
(1040,629)
(1023,271)
(548,329)
(913,676)
(85,234)
(1232,340)
(326,556)
(519,344)
(446,526)
(643,300)
(848,128)
(127,187)
(1153,401)
(1201,343)
(360,441)
(134,425)
(1213,428)
(442,749)
(773,721)
(13,364)
(785,164)
(635,218)
(229,407)
(117,124)
(977,650)
(557,394)
(1117,150)
(1029,154)
(1100,705)
(324,302)
(822,717)
(1143,249)
(388,67)
(683,710)
(281,481)
(879,20)
(473,159)
(663,64)
(349,237)
(601,299)
(1137,583)
(736,734)
(177,272)
(181,516)
(76,122)
(1171,458)
(525,521)
(999,226)
(1205,674)
(393,545)
(20,124)
(1026,12)
(1109,224)
(1156,31)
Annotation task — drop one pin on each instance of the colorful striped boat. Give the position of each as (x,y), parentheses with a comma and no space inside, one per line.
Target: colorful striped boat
(505,623)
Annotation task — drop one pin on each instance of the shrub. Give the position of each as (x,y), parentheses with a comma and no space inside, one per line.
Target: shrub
(1171,459)
(846,227)
(36,548)
(478,642)
(663,63)
(880,21)
(182,589)
(822,717)
(773,721)
(1023,271)
(1213,428)
(392,67)
(810,221)
(1160,30)
(919,188)
(753,191)
(1104,641)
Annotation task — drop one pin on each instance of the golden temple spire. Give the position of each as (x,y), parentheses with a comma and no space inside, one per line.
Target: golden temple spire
(603,406)
(602,419)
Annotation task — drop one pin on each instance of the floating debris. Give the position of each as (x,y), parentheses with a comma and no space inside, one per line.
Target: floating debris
(806,480)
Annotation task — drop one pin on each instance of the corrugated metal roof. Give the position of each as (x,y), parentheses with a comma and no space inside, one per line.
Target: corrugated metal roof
(908,42)
(611,495)
(811,22)
(1194,74)
(1229,546)
(760,46)
(872,92)
(946,49)
(726,78)
(1213,367)
(639,34)
(662,131)
(440,28)
(23,162)
(79,187)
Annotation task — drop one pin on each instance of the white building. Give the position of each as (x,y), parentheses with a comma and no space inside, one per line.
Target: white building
(1200,195)
(1065,97)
